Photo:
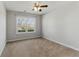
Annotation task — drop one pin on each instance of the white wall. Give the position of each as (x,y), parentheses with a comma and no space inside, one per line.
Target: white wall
(11,26)
(62,25)
(2,27)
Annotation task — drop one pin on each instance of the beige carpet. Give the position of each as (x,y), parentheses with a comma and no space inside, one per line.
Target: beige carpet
(38,47)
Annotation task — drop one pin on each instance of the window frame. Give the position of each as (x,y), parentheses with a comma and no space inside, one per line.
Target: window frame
(26,31)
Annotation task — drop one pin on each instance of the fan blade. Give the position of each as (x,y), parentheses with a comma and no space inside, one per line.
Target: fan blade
(44,6)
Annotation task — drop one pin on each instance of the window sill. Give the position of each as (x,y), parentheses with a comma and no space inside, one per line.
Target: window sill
(24,32)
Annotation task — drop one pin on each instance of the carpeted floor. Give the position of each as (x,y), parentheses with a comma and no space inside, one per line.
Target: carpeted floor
(38,47)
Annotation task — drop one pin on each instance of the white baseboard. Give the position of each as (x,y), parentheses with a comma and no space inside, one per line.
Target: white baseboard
(62,44)
(21,39)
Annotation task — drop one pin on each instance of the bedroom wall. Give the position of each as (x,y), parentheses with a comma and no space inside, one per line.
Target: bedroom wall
(11,26)
(62,25)
(2,27)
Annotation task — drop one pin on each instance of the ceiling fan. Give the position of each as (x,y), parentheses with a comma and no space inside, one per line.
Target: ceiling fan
(39,6)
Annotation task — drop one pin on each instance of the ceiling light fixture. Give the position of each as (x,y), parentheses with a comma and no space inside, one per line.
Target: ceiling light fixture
(38,6)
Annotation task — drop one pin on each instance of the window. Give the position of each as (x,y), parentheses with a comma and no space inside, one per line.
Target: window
(25,24)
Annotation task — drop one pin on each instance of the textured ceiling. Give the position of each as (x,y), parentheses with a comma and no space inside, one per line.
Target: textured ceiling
(27,5)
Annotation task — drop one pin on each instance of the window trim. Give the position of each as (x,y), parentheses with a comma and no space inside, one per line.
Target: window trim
(26,32)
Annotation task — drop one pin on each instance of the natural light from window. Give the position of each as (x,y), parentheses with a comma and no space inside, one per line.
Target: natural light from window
(25,24)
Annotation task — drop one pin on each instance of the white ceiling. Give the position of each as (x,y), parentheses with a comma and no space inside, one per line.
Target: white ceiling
(27,5)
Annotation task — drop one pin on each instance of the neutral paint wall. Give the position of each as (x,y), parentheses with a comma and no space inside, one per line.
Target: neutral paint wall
(62,24)
(11,26)
(2,27)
